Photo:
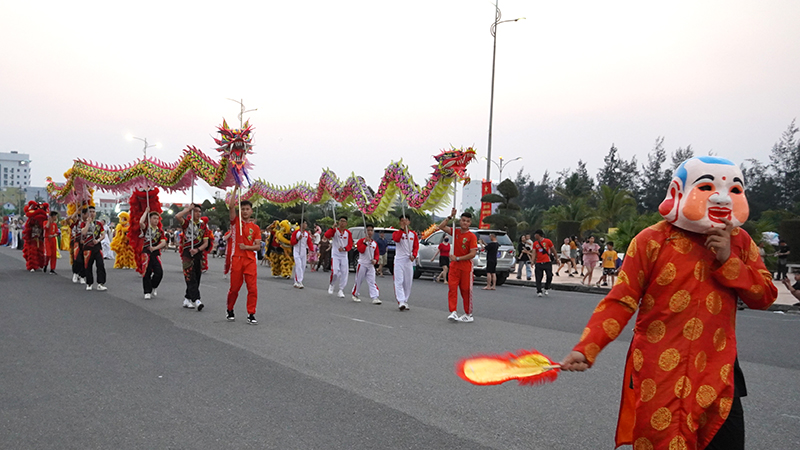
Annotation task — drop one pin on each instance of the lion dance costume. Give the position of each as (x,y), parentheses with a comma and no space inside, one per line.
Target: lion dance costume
(281,257)
(33,251)
(121,244)
(682,377)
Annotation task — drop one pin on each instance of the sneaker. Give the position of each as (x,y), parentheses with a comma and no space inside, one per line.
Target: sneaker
(251,319)
(330,289)
(340,294)
(53,272)
(404,306)
(155,292)
(147,296)
(74,277)
(538,294)
(295,285)
(100,287)
(33,270)
(376,301)
(467,318)
(187,303)
(88,287)
(546,292)
(199,305)
(573,276)
(557,274)
(604,284)
(356,299)
(82,280)
(529,278)
(231,317)
(300,286)
(453,317)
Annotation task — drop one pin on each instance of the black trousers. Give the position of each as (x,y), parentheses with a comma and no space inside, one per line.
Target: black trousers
(93,255)
(730,436)
(541,269)
(153,273)
(192,271)
(77,261)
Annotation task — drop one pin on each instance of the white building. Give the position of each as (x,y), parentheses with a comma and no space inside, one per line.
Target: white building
(15,169)
(471,196)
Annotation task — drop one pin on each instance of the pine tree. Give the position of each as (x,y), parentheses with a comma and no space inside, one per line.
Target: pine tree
(785,166)
(680,155)
(655,179)
(618,173)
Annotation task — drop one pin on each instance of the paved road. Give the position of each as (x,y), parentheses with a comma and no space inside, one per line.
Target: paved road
(100,370)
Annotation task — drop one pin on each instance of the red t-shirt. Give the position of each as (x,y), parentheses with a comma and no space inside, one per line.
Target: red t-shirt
(249,235)
(444,250)
(542,250)
(464,242)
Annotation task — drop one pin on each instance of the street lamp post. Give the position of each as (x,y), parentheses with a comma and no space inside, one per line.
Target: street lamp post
(502,164)
(493,30)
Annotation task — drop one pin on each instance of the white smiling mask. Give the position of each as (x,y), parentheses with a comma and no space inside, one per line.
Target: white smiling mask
(703,190)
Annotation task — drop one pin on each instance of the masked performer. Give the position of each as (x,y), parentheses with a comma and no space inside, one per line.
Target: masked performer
(33,235)
(121,245)
(682,382)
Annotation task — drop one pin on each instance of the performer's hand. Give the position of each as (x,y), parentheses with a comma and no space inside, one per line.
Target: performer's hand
(719,241)
(453,212)
(241,247)
(411,258)
(452,257)
(574,362)
(193,251)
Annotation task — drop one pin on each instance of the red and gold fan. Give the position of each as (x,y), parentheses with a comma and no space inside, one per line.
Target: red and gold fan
(526,366)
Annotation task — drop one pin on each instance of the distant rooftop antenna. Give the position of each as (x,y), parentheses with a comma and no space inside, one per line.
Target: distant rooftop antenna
(242,111)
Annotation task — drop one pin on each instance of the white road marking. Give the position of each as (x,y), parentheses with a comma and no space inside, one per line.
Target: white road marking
(362,321)
(792,417)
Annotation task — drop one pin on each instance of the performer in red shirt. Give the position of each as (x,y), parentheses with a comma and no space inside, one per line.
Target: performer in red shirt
(465,247)
(245,241)
(682,382)
(404,255)
(51,233)
(341,243)
(301,244)
(545,255)
(368,255)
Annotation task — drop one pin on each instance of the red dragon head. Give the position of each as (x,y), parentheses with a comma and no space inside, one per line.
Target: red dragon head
(235,143)
(454,162)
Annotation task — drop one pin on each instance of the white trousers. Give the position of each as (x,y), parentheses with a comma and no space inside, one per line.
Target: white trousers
(403,275)
(366,272)
(299,267)
(340,270)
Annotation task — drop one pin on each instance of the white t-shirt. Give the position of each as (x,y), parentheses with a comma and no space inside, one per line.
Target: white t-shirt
(565,251)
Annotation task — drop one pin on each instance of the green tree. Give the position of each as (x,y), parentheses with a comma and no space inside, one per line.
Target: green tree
(577,210)
(680,155)
(654,178)
(627,229)
(572,185)
(614,206)
(785,167)
(617,172)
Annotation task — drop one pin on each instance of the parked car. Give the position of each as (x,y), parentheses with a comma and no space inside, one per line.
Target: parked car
(505,255)
(358,233)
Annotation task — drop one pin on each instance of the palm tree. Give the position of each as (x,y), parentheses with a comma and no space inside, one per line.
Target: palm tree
(614,205)
(577,210)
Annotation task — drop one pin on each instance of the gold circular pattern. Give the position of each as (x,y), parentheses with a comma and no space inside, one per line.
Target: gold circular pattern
(640,278)
(623,278)
(683,387)
(611,327)
(753,251)
(702,419)
(693,329)
(652,251)
(682,244)
(705,396)
(678,443)
(725,404)
(735,231)
(591,352)
(660,226)
(647,303)
(719,339)
(631,248)
(667,274)
(638,359)
(600,306)
(656,331)
(585,333)
(725,374)
(756,291)
(714,303)
(643,444)
(701,271)
(700,361)
(660,419)
(629,302)
(648,389)
(690,423)
(730,269)
(669,359)
(679,301)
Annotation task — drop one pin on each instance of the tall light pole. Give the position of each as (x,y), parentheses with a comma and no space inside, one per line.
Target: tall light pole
(502,164)
(493,30)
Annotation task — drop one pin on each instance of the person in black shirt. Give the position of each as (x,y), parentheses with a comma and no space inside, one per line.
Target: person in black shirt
(491,249)
(783,258)
(523,258)
(794,289)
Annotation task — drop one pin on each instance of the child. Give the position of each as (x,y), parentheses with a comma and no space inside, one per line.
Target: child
(368,255)
(51,233)
(609,258)
(246,240)
(153,240)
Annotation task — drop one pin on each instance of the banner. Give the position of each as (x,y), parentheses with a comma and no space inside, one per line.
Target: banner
(486,207)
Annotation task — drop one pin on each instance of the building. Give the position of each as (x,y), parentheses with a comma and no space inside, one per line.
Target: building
(471,196)
(15,169)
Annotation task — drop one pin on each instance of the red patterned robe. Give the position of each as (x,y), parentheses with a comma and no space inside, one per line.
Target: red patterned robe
(680,362)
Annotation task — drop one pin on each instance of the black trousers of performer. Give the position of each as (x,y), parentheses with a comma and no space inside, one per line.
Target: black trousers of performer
(77,261)
(154,273)
(192,270)
(541,269)
(94,255)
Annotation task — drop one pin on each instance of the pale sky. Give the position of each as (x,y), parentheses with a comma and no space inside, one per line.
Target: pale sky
(354,85)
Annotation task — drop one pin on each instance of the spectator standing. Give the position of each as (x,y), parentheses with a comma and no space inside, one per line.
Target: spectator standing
(573,253)
(609,258)
(382,246)
(783,259)
(523,258)
(591,255)
(545,253)
(444,259)
(491,248)
(564,258)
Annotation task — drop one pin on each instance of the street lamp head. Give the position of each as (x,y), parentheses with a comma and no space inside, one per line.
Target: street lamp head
(129,137)
(158,145)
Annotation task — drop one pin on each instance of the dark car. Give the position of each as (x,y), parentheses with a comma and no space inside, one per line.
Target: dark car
(358,233)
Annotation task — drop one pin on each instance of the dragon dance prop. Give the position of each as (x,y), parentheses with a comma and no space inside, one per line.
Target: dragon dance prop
(450,167)
(528,367)
(234,146)
(33,234)
(139,202)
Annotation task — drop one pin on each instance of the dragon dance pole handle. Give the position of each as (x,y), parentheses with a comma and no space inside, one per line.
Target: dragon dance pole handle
(453,227)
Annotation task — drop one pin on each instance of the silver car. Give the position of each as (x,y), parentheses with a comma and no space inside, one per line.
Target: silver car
(505,255)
